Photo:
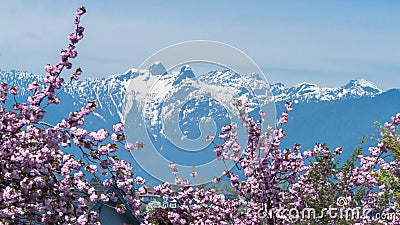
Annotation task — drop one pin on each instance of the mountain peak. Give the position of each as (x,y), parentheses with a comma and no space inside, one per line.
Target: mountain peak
(157,68)
(361,83)
(307,92)
(305,85)
(185,68)
(185,72)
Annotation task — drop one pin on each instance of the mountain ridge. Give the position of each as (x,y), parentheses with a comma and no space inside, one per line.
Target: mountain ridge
(336,116)
(110,92)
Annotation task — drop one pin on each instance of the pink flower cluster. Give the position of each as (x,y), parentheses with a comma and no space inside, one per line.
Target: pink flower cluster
(40,182)
(270,179)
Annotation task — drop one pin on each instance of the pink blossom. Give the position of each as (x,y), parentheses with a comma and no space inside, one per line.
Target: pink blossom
(140,180)
(14,90)
(139,145)
(80,11)
(91,169)
(129,146)
(172,165)
(142,190)
(107,183)
(193,174)
(100,135)
(119,127)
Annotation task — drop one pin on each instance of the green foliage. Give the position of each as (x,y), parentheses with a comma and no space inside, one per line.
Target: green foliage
(153,205)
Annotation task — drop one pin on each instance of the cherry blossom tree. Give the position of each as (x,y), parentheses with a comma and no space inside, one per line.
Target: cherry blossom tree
(41,182)
(290,186)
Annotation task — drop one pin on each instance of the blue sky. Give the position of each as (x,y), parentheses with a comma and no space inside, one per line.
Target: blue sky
(324,42)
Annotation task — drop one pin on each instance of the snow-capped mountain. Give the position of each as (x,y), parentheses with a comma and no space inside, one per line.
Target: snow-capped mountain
(19,78)
(306,92)
(336,116)
(110,92)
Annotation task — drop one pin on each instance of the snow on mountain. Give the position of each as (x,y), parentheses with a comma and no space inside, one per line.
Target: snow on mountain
(19,78)
(110,92)
(185,73)
(306,92)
